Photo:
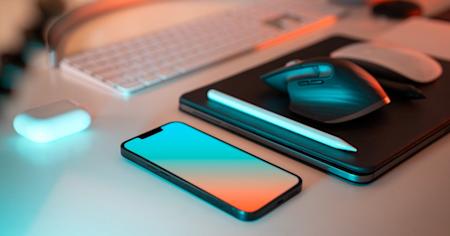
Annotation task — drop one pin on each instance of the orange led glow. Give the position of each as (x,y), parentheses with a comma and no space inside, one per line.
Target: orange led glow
(327,21)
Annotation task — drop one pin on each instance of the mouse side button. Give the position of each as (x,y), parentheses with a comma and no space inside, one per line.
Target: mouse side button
(315,82)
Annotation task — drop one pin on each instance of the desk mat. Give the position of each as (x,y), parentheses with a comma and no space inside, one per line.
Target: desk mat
(383,137)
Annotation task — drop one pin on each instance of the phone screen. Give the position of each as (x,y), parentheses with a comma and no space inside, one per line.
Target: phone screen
(224,171)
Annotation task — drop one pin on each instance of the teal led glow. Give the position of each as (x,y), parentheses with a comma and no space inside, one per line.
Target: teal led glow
(41,128)
(280,121)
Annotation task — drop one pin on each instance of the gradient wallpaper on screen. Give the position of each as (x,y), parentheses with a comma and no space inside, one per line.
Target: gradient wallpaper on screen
(231,175)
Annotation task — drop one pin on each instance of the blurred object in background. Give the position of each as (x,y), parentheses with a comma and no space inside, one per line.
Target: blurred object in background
(396,9)
(443,15)
(428,8)
(22,24)
(350,2)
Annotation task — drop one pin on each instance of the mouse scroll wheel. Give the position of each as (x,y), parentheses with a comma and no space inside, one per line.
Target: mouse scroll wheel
(312,72)
(324,71)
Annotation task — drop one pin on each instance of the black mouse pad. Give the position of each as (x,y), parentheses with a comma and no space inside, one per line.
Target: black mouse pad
(384,138)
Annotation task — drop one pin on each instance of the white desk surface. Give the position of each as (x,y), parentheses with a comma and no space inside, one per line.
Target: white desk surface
(80,185)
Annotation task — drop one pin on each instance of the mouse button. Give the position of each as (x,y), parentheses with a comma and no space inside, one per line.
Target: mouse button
(303,83)
(311,72)
(276,82)
(316,82)
(352,50)
(303,73)
(282,72)
(324,70)
(429,70)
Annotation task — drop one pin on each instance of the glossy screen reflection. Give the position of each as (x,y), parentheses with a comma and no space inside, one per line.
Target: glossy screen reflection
(234,176)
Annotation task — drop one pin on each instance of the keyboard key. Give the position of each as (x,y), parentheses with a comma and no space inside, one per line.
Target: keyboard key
(137,63)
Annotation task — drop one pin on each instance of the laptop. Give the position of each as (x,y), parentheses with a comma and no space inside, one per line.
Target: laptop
(384,138)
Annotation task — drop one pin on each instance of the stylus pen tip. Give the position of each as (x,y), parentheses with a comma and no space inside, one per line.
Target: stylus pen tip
(349,148)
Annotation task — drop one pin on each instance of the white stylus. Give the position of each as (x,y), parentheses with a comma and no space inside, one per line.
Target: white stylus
(280,121)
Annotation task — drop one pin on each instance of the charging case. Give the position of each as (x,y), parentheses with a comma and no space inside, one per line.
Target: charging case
(52,121)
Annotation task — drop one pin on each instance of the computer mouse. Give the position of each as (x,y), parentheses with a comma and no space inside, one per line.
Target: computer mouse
(396,9)
(328,90)
(391,62)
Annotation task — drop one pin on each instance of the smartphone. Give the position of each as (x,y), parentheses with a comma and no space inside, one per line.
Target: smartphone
(229,178)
